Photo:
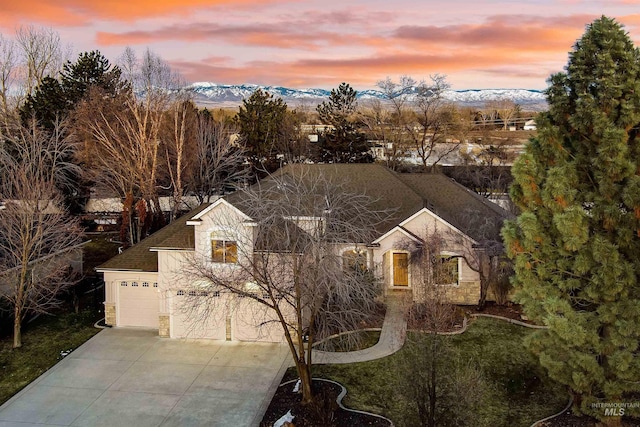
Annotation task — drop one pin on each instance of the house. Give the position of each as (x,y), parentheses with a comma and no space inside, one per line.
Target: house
(107,211)
(144,287)
(530,125)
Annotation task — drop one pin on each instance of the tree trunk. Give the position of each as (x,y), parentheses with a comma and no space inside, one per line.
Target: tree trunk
(484,285)
(486,269)
(305,382)
(17,328)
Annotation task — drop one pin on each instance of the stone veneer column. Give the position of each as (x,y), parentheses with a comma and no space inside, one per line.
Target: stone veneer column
(163,325)
(110,313)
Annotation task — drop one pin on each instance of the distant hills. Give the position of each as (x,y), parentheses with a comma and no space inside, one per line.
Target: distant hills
(217,95)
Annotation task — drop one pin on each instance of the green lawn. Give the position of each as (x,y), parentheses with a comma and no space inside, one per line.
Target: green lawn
(518,391)
(43,340)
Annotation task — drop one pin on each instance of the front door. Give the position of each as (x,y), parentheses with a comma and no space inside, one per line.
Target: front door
(400,269)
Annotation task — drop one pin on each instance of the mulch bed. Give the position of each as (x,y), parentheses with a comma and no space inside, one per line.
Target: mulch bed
(419,318)
(569,420)
(376,318)
(509,310)
(324,411)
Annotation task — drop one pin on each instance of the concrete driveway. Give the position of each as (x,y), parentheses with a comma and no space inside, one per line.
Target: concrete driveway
(131,377)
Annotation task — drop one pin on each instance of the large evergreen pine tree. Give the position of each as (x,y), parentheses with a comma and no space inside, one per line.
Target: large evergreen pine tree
(576,243)
(344,143)
(260,120)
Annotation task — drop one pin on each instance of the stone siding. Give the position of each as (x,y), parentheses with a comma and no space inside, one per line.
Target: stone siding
(164,326)
(466,293)
(110,313)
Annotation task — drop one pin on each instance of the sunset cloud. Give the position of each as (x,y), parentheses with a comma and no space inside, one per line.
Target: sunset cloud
(265,35)
(363,71)
(70,12)
(314,43)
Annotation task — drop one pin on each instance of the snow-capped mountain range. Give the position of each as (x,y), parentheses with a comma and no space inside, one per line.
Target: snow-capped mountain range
(212,94)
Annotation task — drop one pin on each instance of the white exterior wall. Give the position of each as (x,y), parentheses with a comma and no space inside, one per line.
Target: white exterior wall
(214,316)
(224,220)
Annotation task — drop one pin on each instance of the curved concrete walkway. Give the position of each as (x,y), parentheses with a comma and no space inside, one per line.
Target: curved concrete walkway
(392,336)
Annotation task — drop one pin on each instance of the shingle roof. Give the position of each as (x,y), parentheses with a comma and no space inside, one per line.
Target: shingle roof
(406,194)
(457,205)
(376,181)
(177,235)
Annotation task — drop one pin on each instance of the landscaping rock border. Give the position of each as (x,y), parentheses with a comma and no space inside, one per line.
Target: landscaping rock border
(341,396)
(555,415)
(514,321)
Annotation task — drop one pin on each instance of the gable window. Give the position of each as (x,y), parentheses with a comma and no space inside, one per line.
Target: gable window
(224,251)
(448,270)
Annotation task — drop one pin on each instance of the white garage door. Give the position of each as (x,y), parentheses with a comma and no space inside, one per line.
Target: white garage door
(137,304)
(207,320)
(252,321)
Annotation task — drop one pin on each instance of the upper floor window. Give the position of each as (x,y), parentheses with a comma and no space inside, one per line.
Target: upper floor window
(224,251)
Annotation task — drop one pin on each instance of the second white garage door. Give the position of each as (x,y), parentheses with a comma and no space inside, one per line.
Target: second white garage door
(191,318)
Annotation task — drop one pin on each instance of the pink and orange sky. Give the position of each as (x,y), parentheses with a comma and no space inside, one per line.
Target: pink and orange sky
(312,43)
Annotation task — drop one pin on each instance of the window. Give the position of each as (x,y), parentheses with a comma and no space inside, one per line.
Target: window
(123,283)
(448,271)
(134,284)
(155,284)
(224,251)
(355,259)
(180,293)
(145,284)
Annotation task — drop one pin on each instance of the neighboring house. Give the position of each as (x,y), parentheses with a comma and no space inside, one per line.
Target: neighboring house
(107,211)
(530,125)
(144,288)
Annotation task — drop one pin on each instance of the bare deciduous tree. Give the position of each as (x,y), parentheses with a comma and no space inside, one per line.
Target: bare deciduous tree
(42,54)
(127,143)
(219,157)
(422,115)
(36,234)
(124,154)
(486,256)
(505,110)
(380,122)
(8,70)
(289,260)
(179,139)
(435,379)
